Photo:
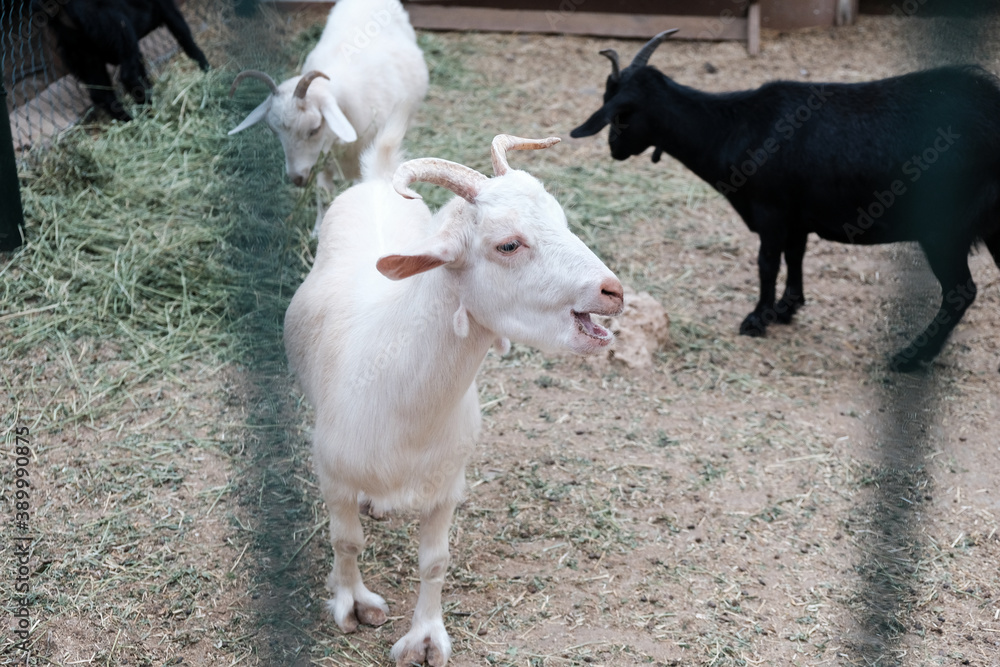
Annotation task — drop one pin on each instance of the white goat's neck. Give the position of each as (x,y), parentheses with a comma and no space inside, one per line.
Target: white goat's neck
(461,341)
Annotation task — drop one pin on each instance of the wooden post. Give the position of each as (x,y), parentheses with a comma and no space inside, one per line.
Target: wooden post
(11,214)
(753,29)
(847,12)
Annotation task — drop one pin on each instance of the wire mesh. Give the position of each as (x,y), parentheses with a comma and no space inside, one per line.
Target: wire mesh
(43,97)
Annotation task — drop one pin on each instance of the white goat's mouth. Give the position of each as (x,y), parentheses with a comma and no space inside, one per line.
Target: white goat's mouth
(591,329)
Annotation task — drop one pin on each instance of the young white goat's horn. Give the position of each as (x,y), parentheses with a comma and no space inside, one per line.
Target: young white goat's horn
(458,178)
(612,55)
(646,51)
(505,142)
(307,78)
(253,74)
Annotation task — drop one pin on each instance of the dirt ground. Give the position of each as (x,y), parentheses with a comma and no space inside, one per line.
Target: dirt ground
(715,509)
(724,506)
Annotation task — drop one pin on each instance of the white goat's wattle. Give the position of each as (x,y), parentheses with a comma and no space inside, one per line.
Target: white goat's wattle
(591,328)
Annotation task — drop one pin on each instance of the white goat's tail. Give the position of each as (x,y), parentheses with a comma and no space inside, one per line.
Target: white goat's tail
(380,159)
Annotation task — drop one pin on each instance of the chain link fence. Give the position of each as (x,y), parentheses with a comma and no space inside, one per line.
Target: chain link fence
(43,99)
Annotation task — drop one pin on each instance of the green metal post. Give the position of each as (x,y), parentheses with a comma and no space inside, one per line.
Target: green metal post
(11,214)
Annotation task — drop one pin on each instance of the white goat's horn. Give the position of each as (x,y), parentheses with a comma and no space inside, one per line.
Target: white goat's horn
(307,78)
(253,74)
(505,142)
(646,51)
(612,55)
(458,178)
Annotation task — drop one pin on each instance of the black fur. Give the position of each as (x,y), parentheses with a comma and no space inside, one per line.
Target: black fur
(910,158)
(94,33)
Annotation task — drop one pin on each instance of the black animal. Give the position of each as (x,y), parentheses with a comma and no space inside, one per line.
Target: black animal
(93,33)
(910,158)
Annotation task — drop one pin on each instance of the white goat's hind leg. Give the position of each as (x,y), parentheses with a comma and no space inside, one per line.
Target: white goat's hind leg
(427,639)
(352,602)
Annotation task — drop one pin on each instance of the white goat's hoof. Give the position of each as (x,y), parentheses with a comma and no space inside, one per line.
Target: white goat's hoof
(427,642)
(363,606)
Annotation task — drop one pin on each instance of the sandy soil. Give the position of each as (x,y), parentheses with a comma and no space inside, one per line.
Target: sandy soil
(776,501)
(720,508)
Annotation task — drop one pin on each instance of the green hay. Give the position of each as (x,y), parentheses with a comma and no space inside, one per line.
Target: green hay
(125,229)
(116,319)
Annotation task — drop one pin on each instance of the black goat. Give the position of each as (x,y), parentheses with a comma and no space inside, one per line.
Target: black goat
(92,33)
(910,158)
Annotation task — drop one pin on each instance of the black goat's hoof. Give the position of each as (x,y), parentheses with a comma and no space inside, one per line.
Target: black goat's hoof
(786,308)
(753,326)
(120,114)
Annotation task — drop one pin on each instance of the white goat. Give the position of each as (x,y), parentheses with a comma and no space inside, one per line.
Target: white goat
(366,67)
(387,332)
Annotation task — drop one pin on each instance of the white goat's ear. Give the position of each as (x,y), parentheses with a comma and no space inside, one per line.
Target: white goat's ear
(461,321)
(436,253)
(335,119)
(255,117)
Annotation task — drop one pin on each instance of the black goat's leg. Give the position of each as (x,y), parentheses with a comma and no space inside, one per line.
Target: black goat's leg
(793,298)
(768,263)
(133,73)
(94,74)
(179,28)
(958,291)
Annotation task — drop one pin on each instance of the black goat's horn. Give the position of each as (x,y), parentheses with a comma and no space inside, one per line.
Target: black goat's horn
(612,55)
(646,51)
(307,78)
(253,74)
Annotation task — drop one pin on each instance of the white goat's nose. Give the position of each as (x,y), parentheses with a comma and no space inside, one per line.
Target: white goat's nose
(300,180)
(612,296)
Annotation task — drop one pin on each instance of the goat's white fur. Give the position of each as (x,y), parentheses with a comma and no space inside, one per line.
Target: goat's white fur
(389,364)
(368,52)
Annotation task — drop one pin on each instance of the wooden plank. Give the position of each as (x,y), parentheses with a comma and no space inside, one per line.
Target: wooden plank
(432,17)
(669,7)
(641,26)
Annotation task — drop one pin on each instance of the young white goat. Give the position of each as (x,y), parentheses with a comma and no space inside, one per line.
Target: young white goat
(366,67)
(387,332)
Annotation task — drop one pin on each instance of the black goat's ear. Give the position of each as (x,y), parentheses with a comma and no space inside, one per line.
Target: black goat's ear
(594,124)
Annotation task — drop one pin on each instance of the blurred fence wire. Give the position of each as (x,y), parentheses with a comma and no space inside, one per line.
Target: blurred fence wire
(43,99)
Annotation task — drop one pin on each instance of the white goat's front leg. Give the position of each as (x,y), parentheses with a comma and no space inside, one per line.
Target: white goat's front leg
(352,602)
(427,639)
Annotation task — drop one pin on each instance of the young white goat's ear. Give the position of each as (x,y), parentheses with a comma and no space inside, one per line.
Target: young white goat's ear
(437,253)
(255,117)
(335,118)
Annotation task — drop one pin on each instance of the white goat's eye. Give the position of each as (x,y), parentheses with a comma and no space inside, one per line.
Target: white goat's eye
(312,132)
(509,247)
